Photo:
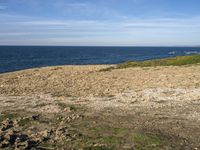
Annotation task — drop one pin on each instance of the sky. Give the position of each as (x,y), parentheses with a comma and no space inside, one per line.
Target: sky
(100,22)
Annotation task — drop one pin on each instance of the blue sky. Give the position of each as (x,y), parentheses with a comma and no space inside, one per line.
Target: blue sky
(100,22)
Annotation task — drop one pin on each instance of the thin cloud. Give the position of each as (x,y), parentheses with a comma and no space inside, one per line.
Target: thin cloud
(135,31)
(2,7)
(110,25)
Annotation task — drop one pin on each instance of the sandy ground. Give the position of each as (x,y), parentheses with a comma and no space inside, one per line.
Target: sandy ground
(87,81)
(164,101)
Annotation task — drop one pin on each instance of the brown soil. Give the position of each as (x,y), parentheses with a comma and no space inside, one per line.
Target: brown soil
(133,108)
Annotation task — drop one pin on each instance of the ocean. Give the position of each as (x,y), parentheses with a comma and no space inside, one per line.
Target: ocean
(13,58)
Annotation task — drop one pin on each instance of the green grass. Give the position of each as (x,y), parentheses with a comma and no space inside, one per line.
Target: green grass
(97,148)
(173,61)
(5,116)
(25,121)
(146,141)
(108,129)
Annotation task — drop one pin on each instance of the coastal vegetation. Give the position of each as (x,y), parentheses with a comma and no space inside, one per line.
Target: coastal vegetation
(172,61)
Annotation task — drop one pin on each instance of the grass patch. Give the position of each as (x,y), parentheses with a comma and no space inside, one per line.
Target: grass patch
(8,116)
(173,61)
(97,148)
(23,122)
(146,141)
(112,140)
(108,129)
(62,105)
(47,146)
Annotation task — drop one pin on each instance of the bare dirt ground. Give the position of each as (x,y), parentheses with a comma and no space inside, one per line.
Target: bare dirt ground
(80,107)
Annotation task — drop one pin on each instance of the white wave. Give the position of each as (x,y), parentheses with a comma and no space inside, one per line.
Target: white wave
(191,52)
(172,53)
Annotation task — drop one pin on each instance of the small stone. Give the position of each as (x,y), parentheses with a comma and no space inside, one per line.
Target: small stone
(32,128)
(4,144)
(24,142)
(24,118)
(21,145)
(1,138)
(6,127)
(15,122)
(46,134)
(7,124)
(73,117)
(62,122)
(10,136)
(67,110)
(62,133)
(23,137)
(99,145)
(35,117)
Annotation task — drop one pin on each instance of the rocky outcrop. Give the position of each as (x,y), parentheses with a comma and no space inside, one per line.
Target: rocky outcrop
(12,138)
(13,135)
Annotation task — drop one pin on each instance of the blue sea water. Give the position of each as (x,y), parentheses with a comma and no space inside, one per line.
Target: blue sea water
(14,58)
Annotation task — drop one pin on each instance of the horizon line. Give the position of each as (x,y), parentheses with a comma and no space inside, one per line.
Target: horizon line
(108,45)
